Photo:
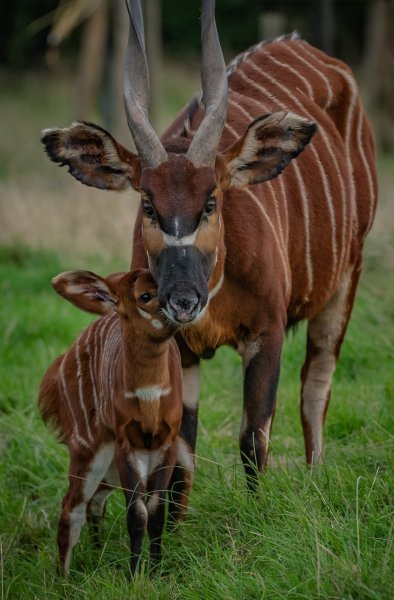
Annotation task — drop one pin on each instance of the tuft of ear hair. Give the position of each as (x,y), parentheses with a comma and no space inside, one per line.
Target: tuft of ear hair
(267,147)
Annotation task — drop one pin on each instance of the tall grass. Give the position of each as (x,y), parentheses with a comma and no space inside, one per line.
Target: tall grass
(324,533)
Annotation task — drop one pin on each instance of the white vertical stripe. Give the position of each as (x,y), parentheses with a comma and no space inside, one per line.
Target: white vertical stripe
(231,130)
(348,148)
(317,72)
(280,181)
(308,87)
(305,210)
(275,201)
(239,107)
(323,174)
(303,195)
(346,227)
(277,212)
(285,263)
(91,373)
(103,325)
(76,432)
(80,389)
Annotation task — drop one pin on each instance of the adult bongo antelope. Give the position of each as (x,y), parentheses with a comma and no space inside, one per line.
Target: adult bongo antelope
(115,399)
(241,251)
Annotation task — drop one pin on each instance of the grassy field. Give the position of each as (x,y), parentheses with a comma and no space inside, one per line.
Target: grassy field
(325,533)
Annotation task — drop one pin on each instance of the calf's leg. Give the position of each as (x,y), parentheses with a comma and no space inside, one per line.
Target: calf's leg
(85,474)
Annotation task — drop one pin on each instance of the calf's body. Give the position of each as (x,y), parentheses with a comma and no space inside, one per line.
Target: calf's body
(115,398)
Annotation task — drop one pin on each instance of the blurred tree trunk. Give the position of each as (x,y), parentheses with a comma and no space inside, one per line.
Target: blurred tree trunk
(324,25)
(102,59)
(92,55)
(153,43)
(378,71)
(271,25)
(116,113)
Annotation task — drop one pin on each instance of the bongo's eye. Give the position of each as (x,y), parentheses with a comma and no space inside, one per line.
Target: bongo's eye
(210,206)
(148,209)
(145,298)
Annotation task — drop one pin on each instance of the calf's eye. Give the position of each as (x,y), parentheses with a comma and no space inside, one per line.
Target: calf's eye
(146,297)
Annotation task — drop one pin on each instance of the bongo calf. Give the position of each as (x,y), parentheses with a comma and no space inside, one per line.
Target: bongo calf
(115,398)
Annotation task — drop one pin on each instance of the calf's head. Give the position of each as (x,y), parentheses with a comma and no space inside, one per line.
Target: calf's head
(181,183)
(132,295)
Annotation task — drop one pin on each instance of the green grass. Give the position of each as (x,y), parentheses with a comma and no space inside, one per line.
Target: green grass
(325,533)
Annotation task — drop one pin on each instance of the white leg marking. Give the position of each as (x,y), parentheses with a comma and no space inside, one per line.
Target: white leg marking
(146,461)
(248,351)
(184,457)
(314,398)
(325,331)
(191,386)
(98,502)
(98,469)
(153,503)
(141,510)
(112,475)
(264,433)
(77,521)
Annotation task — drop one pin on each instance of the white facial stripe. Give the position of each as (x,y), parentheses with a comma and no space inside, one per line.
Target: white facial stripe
(187,240)
(144,314)
(148,394)
(216,288)
(156,324)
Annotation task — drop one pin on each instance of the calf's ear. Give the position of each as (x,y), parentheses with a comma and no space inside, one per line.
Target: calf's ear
(93,156)
(267,147)
(86,290)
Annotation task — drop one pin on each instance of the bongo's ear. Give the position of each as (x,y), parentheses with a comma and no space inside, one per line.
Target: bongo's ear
(267,147)
(93,156)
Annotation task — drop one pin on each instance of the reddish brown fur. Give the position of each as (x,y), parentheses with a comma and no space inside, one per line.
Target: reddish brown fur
(289,248)
(83,392)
